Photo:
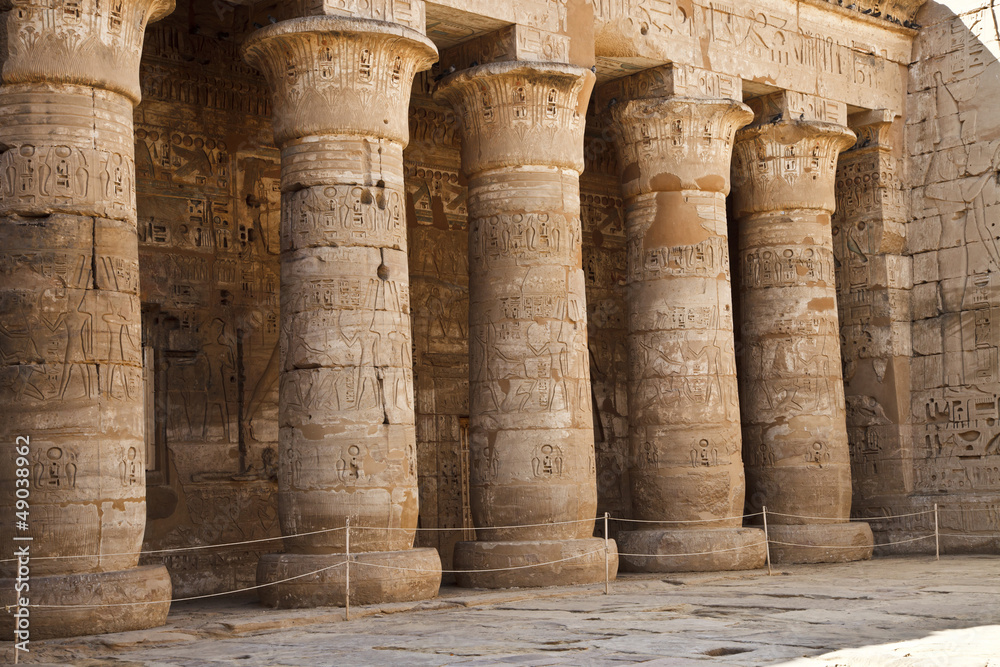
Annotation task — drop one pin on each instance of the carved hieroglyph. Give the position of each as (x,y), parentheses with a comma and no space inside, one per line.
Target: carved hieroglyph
(675,129)
(341,89)
(791,386)
(70,326)
(531,421)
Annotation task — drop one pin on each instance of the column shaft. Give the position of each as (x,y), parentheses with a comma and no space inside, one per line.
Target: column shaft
(531,422)
(791,384)
(70,318)
(530,425)
(341,91)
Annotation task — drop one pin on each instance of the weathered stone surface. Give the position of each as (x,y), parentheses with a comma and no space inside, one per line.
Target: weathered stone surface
(92,603)
(875,613)
(377,577)
(534,563)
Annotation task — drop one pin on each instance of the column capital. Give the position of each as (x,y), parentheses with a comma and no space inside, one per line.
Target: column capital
(673,128)
(873,128)
(520,113)
(331,75)
(787,164)
(84,43)
(676,143)
(869,188)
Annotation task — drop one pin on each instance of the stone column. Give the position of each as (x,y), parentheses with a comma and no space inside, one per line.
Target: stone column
(531,423)
(341,90)
(70,326)
(674,129)
(791,383)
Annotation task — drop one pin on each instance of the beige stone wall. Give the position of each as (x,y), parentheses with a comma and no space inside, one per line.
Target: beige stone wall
(953,236)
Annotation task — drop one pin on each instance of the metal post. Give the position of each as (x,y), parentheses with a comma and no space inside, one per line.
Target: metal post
(767,543)
(347,573)
(937,535)
(607,557)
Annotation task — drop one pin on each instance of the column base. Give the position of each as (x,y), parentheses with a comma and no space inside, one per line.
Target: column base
(149,584)
(376,577)
(579,562)
(732,549)
(820,543)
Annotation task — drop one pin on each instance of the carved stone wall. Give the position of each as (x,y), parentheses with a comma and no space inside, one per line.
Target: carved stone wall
(437,219)
(810,46)
(953,237)
(207,180)
(602,212)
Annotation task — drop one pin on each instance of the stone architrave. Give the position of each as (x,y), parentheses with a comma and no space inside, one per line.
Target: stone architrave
(531,423)
(341,90)
(674,129)
(791,384)
(70,326)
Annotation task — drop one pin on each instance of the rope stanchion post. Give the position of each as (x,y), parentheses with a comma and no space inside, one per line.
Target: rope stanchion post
(607,558)
(937,535)
(347,570)
(767,542)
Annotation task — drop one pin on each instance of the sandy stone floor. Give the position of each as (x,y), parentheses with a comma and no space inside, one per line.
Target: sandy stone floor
(898,611)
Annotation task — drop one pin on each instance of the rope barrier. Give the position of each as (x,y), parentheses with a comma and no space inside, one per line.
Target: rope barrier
(838,520)
(725,518)
(307,574)
(187,599)
(891,516)
(697,553)
(176,549)
(525,525)
(487,528)
(825,546)
(495,569)
(766,543)
(285,537)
